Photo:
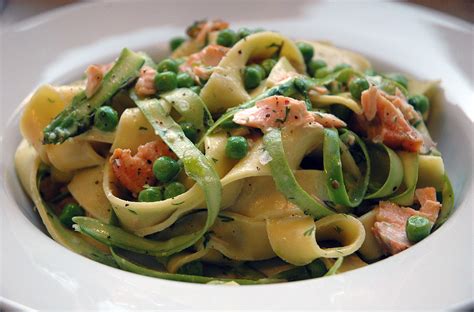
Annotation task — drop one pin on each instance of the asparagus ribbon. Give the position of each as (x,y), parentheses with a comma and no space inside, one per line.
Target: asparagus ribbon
(76,118)
(196,165)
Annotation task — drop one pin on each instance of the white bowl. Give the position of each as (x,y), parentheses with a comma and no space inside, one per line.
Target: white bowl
(57,47)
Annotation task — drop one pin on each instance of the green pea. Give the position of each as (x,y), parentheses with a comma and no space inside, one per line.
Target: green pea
(357,86)
(191,268)
(229,125)
(70,211)
(176,42)
(322,72)
(167,65)
(106,118)
(398,78)
(419,102)
(306,50)
(236,147)
(252,77)
(260,69)
(243,32)
(370,72)
(344,75)
(166,81)
(314,65)
(174,189)
(268,65)
(417,228)
(195,89)
(184,80)
(227,38)
(190,131)
(151,194)
(338,67)
(166,169)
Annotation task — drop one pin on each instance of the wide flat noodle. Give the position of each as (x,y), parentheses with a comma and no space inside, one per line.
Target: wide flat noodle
(146,218)
(254,203)
(39,109)
(344,99)
(214,146)
(426,87)
(370,249)
(27,162)
(86,188)
(334,56)
(240,238)
(295,238)
(431,172)
(350,263)
(225,87)
(72,155)
(133,130)
(240,232)
(280,72)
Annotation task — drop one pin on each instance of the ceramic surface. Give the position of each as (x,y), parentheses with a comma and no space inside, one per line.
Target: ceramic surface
(56,47)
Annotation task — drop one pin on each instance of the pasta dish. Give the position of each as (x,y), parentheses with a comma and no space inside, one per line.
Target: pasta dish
(243,158)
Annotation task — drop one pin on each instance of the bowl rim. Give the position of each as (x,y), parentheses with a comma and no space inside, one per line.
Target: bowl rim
(64,11)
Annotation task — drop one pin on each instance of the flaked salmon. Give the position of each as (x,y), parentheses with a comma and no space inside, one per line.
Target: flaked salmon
(146,82)
(278,111)
(390,220)
(385,119)
(95,75)
(201,64)
(133,172)
(430,206)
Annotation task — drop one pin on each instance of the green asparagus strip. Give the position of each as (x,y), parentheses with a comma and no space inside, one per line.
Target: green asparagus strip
(196,165)
(130,266)
(447,203)
(410,178)
(191,108)
(76,118)
(66,236)
(335,267)
(285,179)
(383,158)
(340,191)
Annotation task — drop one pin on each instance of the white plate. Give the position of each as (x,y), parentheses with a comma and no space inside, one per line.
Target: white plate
(56,47)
